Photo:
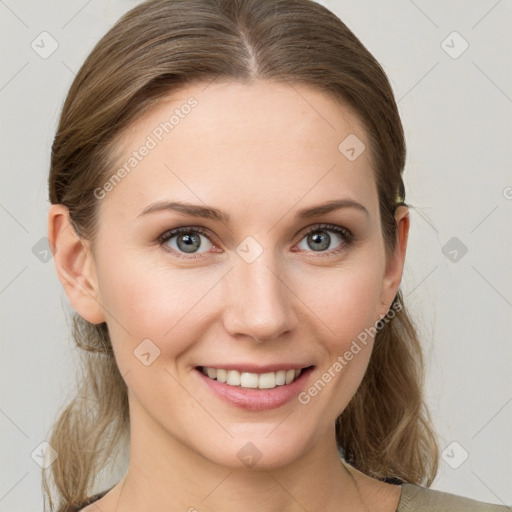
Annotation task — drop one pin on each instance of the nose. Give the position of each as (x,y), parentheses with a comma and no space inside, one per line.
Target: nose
(259,303)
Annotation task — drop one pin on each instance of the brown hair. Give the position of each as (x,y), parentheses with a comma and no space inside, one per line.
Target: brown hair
(154,49)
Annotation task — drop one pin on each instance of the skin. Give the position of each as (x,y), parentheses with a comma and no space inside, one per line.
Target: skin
(258,152)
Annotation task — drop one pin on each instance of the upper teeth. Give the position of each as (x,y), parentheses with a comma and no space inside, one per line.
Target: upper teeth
(252,380)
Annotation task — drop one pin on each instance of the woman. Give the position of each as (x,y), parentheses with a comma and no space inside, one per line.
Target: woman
(229,223)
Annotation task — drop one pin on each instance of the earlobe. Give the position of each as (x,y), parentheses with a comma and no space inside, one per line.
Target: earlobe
(75,265)
(395,265)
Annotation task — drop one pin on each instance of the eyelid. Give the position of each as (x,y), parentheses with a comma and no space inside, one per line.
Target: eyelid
(327,227)
(170,233)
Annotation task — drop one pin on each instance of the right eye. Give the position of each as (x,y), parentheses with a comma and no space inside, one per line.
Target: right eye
(185,240)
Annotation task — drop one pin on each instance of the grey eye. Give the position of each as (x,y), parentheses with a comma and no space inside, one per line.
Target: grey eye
(188,242)
(319,240)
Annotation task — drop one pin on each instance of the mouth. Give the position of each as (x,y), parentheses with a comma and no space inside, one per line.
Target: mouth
(268,380)
(255,390)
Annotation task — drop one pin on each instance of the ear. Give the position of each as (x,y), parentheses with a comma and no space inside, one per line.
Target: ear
(394,266)
(74,263)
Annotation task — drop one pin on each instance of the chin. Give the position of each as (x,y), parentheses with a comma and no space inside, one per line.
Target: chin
(254,451)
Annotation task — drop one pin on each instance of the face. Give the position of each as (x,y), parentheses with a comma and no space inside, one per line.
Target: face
(256,283)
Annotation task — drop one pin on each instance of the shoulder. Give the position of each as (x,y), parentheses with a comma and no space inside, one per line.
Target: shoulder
(421,499)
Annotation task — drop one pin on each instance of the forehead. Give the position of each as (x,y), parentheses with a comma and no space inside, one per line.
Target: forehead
(247,145)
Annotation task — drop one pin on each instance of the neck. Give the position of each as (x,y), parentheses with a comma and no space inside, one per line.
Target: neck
(165,474)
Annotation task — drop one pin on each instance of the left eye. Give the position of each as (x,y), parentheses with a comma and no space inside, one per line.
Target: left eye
(319,239)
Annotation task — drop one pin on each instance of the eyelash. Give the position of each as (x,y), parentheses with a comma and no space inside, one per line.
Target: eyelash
(344,233)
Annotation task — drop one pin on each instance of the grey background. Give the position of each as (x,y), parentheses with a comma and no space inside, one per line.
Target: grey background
(458,122)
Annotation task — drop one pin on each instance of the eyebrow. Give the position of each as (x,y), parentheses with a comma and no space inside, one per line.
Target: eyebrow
(208,212)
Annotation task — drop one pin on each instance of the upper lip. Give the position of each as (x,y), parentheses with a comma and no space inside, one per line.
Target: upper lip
(254,368)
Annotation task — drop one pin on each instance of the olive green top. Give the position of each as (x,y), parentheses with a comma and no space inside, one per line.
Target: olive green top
(413,499)
(420,499)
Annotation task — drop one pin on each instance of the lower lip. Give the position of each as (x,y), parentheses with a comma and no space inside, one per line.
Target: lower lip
(257,399)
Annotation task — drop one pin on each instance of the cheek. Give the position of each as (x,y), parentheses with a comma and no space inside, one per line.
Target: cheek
(345,300)
(164,305)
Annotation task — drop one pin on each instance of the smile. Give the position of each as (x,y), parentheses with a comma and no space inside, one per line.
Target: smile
(242,379)
(254,388)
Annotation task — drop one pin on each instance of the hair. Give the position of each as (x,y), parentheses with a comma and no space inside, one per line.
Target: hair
(154,49)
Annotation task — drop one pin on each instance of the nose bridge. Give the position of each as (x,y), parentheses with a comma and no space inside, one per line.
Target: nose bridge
(259,304)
